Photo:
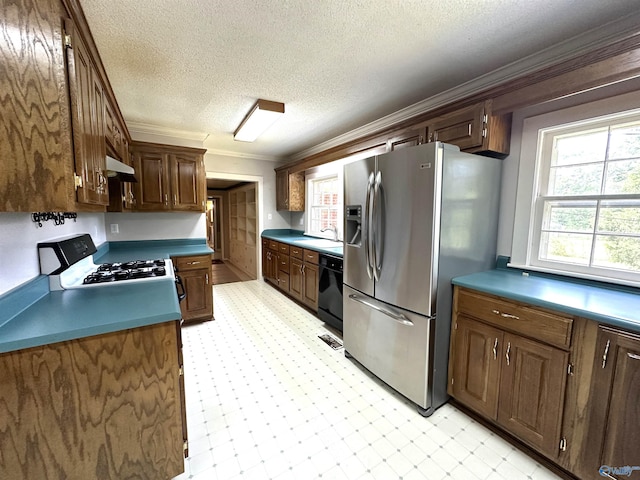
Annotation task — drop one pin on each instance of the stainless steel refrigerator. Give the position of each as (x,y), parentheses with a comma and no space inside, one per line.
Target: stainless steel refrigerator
(414,219)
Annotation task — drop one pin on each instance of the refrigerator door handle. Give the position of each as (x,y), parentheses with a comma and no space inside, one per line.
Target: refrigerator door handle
(368,250)
(378,213)
(398,317)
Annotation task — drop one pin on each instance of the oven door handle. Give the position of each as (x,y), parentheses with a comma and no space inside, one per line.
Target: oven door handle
(182,293)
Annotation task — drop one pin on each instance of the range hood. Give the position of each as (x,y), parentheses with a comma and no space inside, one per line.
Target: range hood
(115,168)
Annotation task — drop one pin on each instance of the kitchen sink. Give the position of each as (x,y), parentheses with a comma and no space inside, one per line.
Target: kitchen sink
(319,243)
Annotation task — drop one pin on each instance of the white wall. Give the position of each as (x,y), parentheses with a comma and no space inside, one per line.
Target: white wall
(155,225)
(19,237)
(512,162)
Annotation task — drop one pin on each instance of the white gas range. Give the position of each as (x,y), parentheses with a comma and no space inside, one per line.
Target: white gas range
(69,263)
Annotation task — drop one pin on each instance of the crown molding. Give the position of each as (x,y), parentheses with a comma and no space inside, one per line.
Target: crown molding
(576,46)
(251,156)
(150,129)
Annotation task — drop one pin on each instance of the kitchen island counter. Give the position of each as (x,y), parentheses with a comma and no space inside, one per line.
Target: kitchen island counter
(603,303)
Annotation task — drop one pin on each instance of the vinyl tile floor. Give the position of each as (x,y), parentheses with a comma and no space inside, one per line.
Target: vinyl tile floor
(267,399)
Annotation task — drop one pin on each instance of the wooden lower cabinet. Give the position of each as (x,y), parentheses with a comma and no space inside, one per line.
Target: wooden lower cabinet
(614,421)
(565,386)
(108,406)
(293,270)
(476,370)
(195,272)
(532,385)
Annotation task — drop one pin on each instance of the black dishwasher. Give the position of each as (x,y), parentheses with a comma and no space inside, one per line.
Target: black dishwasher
(330,290)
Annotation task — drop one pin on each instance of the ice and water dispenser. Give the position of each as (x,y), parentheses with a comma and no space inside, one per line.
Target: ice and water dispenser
(353,216)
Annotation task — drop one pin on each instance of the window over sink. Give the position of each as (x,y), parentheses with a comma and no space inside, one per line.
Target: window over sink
(324,211)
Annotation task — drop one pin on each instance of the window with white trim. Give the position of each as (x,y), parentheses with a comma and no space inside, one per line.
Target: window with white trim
(585,204)
(324,202)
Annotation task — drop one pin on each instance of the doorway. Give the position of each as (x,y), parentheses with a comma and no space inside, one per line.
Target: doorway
(215,226)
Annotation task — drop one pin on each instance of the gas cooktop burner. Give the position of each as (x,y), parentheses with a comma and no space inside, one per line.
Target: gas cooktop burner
(114,272)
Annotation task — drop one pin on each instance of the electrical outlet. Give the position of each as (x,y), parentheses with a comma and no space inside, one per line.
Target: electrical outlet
(115,228)
(269,216)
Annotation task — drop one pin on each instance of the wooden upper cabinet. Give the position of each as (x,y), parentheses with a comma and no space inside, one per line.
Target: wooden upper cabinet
(614,422)
(88,119)
(169,177)
(408,138)
(290,191)
(35,138)
(474,129)
(186,181)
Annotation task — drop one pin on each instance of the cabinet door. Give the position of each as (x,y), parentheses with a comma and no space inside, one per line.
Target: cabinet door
(152,189)
(310,290)
(296,286)
(614,424)
(199,300)
(87,115)
(532,388)
(186,187)
(464,128)
(282,190)
(408,138)
(475,379)
(35,137)
(290,191)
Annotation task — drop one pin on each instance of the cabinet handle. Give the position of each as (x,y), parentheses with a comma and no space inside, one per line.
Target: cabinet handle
(508,352)
(193,263)
(284,263)
(495,349)
(506,315)
(303,269)
(206,276)
(166,199)
(175,199)
(605,354)
(633,356)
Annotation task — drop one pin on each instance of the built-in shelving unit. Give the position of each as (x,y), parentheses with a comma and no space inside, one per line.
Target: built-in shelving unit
(243,223)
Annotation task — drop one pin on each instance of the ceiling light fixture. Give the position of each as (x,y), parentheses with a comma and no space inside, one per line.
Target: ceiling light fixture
(263,114)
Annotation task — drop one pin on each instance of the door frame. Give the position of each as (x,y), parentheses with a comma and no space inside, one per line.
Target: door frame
(258,180)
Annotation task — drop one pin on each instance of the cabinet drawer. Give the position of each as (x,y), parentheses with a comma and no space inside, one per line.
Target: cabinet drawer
(296,252)
(273,245)
(311,256)
(283,248)
(283,263)
(192,263)
(529,321)
(265,243)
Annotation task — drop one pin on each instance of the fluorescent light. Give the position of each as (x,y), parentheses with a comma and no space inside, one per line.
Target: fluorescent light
(263,114)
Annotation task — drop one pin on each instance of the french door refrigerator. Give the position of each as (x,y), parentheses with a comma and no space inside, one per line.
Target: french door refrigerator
(414,219)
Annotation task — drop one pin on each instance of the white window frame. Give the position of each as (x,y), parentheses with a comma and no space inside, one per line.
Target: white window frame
(533,173)
(324,172)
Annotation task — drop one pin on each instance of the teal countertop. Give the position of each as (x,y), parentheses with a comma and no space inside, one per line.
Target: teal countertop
(604,303)
(294,237)
(31,315)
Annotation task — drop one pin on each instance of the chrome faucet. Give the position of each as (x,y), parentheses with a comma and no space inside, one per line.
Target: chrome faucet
(334,230)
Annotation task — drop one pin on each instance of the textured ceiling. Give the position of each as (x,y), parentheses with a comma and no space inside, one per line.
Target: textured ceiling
(199,65)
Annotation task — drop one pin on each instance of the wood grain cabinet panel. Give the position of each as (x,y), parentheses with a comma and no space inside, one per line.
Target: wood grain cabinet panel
(532,386)
(195,272)
(107,406)
(311,286)
(614,420)
(476,377)
(35,138)
(170,178)
(290,191)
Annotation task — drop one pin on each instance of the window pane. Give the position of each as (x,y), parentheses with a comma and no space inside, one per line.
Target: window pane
(578,148)
(576,180)
(563,216)
(620,217)
(624,141)
(623,176)
(617,252)
(565,247)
